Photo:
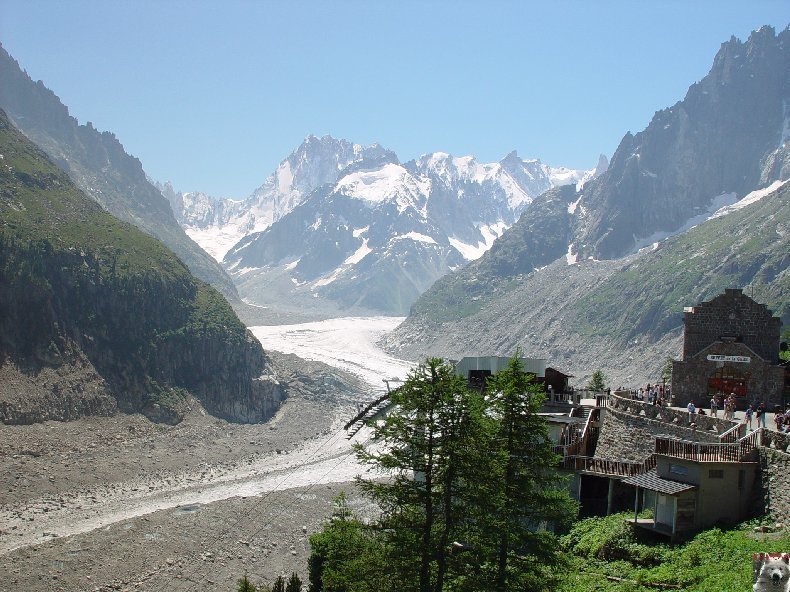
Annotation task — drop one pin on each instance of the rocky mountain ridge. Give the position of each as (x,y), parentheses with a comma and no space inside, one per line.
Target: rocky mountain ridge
(381,232)
(728,137)
(623,315)
(98,164)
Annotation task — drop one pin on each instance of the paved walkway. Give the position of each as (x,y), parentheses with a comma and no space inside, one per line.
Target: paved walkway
(770,422)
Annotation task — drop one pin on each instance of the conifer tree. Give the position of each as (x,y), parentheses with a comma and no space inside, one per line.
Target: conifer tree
(344,554)
(425,450)
(294,584)
(597,381)
(528,496)
(245,585)
(279,584)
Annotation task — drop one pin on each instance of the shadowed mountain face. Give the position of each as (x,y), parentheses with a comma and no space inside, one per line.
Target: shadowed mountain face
(727,138)
(97,315)
(98,164)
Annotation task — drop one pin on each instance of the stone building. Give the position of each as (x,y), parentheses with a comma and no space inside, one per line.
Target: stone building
(730,345)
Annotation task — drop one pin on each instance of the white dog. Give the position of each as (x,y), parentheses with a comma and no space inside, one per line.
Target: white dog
(771,572)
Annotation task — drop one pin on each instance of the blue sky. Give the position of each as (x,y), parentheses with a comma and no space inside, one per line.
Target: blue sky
(212,95)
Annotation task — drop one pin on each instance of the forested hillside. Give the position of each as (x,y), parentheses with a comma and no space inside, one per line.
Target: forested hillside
(81,291)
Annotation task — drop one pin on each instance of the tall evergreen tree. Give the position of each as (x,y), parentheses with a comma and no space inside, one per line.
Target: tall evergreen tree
(528,496)
(425,451)
(294,584)
(245,585)
(597,381)
(279,584)
(344,554)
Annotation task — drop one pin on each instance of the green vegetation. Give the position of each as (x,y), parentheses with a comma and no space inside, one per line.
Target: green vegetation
(72,277)
(294,584)
(597,381)
(472,497)
(713,561)
(666,371)
(741,250)
(345,554)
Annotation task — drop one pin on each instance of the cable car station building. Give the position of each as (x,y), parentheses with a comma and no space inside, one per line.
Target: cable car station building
(730,345)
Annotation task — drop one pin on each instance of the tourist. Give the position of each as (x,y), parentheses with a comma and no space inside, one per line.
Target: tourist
(779,420)
(730,407)
(748,417)
(714,406)
(692,411)
(761,413)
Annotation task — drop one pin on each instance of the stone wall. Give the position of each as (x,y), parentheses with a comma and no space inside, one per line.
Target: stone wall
(631,436)
(764,380)
(669,415)
(734,315)
(629,428)
(775,483)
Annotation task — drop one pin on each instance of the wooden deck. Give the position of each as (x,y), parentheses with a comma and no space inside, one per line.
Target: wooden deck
(604,467)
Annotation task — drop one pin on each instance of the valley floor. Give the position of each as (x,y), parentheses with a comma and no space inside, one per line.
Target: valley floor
(117,503)
(120,503)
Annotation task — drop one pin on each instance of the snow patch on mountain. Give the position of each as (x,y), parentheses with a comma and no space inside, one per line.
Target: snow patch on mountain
(748,199)
(490,233)
(416,236)
(720,201)
(390,182)
(570,256)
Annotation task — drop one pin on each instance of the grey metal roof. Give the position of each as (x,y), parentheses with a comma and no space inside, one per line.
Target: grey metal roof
(653,482)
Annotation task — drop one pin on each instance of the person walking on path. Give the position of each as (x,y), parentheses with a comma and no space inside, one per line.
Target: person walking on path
(761,412)
(714,406)
(692,411)
(748,417)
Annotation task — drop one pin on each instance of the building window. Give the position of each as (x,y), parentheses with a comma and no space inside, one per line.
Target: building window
(678,469)
(716,474)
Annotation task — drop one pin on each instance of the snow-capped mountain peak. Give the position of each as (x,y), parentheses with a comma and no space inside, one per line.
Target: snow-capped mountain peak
(373,232)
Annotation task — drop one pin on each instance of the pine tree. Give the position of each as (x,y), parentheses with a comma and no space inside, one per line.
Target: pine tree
(528,495)
(425,449)
(343,554)
(597,382)
(245,585)
(294,584)
(279,584)
(666,371)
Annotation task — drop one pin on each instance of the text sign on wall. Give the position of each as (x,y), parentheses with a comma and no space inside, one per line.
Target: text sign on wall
(737,359)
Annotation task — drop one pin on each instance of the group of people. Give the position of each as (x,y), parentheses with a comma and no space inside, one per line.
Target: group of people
(658,395)
(757,411)
(654,394)
(727,406)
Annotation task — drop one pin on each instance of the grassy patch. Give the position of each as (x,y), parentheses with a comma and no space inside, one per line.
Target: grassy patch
(713,561)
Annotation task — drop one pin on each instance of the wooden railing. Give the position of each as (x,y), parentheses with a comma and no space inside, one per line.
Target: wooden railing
(605,466)
(701,451)
(710,452)
(602,400)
